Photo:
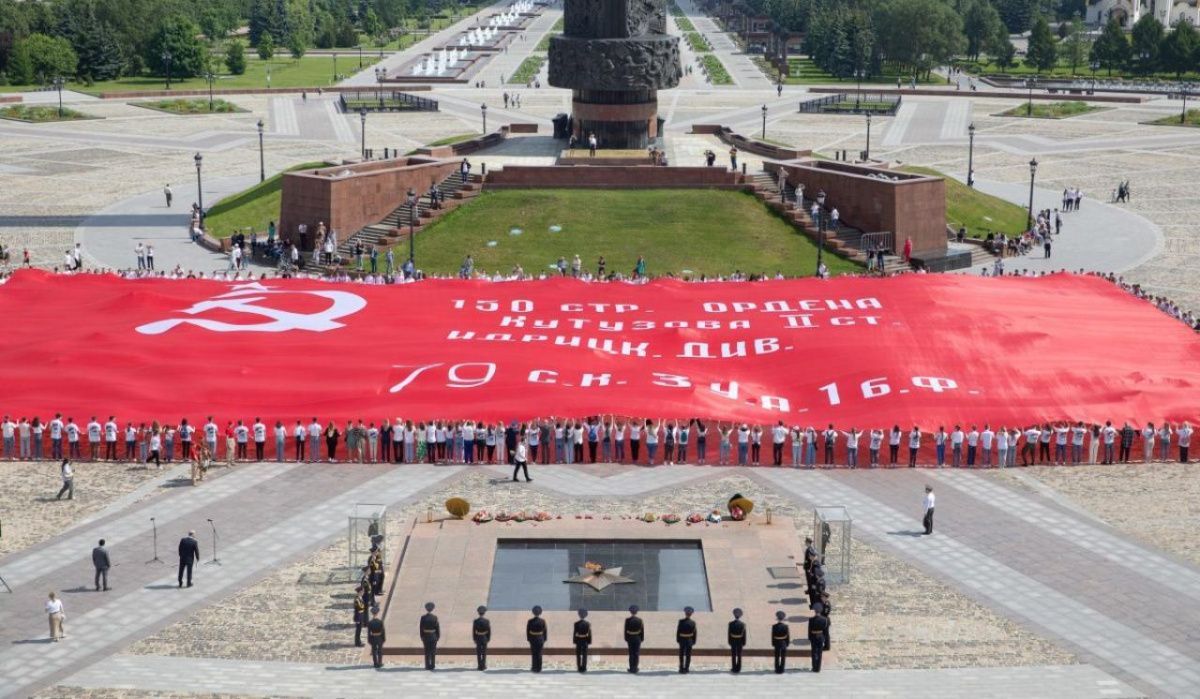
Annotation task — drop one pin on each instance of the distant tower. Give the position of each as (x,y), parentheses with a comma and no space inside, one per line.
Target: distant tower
(615,55)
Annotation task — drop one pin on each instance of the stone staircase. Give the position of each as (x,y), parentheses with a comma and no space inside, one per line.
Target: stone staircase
(395,226)
(846,240)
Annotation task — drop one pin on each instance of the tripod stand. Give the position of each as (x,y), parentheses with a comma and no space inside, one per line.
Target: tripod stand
(215,560)
(156,559)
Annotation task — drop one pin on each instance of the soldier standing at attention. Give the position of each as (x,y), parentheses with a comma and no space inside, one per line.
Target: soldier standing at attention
(535,633)
(737,640)
(635,633)
(685,636)
(431,631)
(481,631)
(818,630)
(780,638)
(360,615)
(583,638)
(375,568)
(376,636)
(368,589)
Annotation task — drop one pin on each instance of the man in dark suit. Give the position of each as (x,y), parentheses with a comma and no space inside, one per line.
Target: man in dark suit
(189,553)
(481,633)
(781,637)
(818,629)
(535,633)
(431,632)
(360,615)
(737,640)
(582,636)
(685,636)
(635,633)
(376,636)
(102,564)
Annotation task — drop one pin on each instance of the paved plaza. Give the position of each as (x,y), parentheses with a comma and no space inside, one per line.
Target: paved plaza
(1037,583)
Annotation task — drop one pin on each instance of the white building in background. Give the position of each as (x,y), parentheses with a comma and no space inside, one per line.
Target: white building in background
(1126,12)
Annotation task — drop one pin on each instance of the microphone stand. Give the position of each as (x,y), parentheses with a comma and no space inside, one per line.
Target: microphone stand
(156,559)
(215,560)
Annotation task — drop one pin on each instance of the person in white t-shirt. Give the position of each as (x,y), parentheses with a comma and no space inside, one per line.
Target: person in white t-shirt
(873,446)
(281,435)
(110,438)
(939,445)
(972,446)
(299,434)
(56,435)
(779,435)
(894,444)
(1108,434)
(241,435)
(155,443)
(1061,434)
(1185,441)
(314,441)
(927,521)
(72,432)
(94,435)
(956,446)
(1164,441)
(1148,434)
(210,437)
(1029,451)
(260,438)
(743,444)
(914,446)
(852,438)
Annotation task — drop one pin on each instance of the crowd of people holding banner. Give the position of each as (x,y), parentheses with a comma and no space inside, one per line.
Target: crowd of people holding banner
(596,439)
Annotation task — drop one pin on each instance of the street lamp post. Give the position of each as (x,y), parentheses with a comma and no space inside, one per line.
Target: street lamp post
(334,67)
(166,56)
(1094,66)
(1029,84)
(764,128)
(262,164)
(1032,175)
(867,152)
(858,95)
(360,56)
(971,155)
(362,115)
(379,86)
(210,78)
(483,110)
(1182,114)
(199,186)
(58,85)
(412,215)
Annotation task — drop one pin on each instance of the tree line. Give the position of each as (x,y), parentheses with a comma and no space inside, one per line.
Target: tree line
(860,38)
(90,40)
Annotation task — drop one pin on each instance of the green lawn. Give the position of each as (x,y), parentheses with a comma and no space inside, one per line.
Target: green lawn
(41,114)
(310,71)
(191,106)
(802,71)
(698,43)
(717,75)
(1193,119)
(1050,110)
(544,44)
(528,70)
(705,231)
(1082,71)
(980,213)
(451,140)
(685,25)
(251,209)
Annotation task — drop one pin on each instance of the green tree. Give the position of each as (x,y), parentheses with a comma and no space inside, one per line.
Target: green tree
(266,47)
(921,33)
(296,46)
(1147,34)
(1076,46)
(1111,50)
(981,22)
(1041,53)
(178,36)
(262,13)
(1003,50)
(371,25)
(216,22)
(235,58)
(1017,15)
(41,58)
(1181,49)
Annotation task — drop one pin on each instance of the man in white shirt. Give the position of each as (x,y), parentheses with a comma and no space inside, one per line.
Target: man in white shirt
(830,436)
(521,460)
(299,434)
(929,501)
(779,435)
(314,440)
(94,437)
(210,437)
(1109,435)
(1029,452)
(873,446)
(72,431)
(241,434)
(1061,433)
(1077,433)
(972,446)
(914,446)
(68,481)
(260,438)
(56,435)
(956,444)
(1185,441)
(110,438)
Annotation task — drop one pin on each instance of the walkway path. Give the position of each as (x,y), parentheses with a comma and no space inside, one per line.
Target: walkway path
(292,514)
(168,674)
(110,235)
(1129,623)
(738,64)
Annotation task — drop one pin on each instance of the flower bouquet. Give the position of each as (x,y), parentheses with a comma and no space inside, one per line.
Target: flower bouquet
(736,513)
(670,518)
(481,517)
(503,516)
(715,516)
(695,518)
(519,516)
(593,566)
(542,516)
(649,517)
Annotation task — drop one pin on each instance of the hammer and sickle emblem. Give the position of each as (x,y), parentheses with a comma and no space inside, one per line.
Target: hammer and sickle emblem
(243,299)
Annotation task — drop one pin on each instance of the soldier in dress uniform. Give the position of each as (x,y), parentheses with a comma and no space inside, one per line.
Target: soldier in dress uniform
(818,635)
(822,608)
(816,582)
(535,633)
(685,636)
(810,553)
(375,568)
(365,583)
(582,635)
(781,636)
(431,631)
(360,615)
(376,636)
(481,632)
(635,633)
(737,640)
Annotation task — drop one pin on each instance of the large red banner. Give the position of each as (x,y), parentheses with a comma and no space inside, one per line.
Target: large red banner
(918,349)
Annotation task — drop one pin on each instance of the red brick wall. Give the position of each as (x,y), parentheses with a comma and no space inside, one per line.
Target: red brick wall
(347,203)
(914,206)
